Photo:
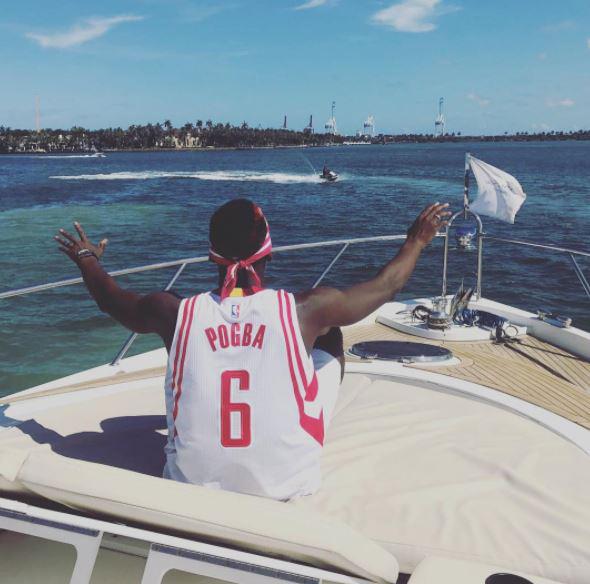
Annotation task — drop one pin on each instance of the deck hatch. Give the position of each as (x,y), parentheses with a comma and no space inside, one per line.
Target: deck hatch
(400,351)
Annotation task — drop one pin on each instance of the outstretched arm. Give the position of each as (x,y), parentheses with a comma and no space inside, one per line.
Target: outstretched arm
(320,309)
(150,313)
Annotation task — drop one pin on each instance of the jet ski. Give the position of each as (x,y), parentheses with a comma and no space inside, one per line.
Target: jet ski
(328,175)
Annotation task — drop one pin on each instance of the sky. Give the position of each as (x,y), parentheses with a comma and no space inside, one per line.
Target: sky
(501,65)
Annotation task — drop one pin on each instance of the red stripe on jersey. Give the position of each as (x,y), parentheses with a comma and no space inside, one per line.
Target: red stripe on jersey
(311,388)
(314,427)
(192,302)
(179,344)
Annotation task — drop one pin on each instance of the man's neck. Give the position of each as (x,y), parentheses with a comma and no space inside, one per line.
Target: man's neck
(238,292)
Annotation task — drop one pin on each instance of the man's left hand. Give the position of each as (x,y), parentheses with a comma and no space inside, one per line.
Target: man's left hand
(74,247)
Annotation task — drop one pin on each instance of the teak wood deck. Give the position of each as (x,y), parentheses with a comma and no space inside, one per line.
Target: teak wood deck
(529,369)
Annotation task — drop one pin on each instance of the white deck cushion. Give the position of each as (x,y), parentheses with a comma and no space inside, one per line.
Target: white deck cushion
(250,523)
(417,470)
(428,473)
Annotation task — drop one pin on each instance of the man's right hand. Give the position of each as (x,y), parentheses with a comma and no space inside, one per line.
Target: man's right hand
(428,224)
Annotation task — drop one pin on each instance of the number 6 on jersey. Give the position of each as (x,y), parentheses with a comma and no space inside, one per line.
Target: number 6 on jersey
(228,408)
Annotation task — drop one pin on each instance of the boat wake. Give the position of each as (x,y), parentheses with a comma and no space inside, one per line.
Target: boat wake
(217,175)
(60,156)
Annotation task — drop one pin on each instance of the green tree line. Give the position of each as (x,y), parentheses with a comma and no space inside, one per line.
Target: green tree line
(156,136)
(207,134)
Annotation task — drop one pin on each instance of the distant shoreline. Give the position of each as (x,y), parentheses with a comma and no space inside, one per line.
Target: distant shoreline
(202,149)
(218,136)
(456,140)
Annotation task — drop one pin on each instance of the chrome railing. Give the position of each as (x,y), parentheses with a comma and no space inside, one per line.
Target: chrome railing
(574,252)
(571,252)
(344,244)
(194,260)
(131,338)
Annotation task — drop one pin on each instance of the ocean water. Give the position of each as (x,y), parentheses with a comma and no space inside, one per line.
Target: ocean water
(156,206)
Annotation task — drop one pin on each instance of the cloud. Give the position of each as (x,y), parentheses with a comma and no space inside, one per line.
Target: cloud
(311,4)
(188,11)
(559,26)
(565,102)
(481,101)
(90,29)
(198,13)
(412,15)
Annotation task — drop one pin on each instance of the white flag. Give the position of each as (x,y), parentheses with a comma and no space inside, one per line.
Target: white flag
(499,194)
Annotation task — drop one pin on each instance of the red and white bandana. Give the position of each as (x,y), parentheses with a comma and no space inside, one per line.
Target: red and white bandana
(234,266)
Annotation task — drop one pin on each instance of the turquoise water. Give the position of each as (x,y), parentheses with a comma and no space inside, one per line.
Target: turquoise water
(156,206)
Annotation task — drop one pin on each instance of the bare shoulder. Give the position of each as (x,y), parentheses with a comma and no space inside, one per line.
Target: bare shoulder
(313,307)
(160,304)
(315,295)
(159,310)
(311,303)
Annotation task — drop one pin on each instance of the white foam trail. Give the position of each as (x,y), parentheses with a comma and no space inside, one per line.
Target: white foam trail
(46,156)
(218,175)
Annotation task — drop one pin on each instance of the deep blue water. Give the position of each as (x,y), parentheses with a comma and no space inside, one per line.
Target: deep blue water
(156,206)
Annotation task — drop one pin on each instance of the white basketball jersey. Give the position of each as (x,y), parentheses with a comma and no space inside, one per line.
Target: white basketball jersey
(242,400)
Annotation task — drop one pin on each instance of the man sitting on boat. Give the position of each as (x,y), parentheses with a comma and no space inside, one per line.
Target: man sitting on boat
(253,373)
